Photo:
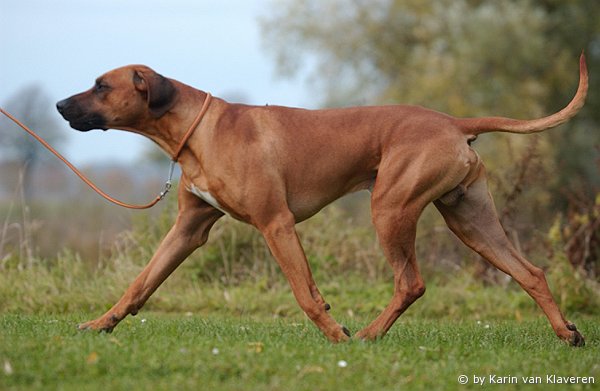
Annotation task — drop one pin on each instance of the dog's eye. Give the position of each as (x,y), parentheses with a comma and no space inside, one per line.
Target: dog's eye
(101,87)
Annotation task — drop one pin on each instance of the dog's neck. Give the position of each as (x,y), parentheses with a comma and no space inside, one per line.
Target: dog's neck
(168,130)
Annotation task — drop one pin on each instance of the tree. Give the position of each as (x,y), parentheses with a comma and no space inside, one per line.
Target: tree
(33,107)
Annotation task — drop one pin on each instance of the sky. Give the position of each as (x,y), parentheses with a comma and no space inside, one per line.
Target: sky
(63,45)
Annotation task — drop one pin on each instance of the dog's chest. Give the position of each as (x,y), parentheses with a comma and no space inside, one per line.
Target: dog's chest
(206,196)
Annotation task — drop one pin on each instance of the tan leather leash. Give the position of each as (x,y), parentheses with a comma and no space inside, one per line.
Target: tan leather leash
(168,185)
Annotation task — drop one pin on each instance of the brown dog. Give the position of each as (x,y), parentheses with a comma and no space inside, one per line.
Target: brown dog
(275,166)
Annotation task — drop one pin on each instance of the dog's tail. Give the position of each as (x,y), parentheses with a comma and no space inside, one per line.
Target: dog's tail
(475,126)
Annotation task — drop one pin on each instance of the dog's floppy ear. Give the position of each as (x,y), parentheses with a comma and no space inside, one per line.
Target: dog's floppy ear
(159,91)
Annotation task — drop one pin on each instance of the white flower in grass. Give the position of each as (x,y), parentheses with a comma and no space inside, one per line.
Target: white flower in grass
(342,364)
(8,369)
(485,326)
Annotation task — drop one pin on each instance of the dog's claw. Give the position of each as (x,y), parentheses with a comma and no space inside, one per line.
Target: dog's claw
(576,338)
(346,331)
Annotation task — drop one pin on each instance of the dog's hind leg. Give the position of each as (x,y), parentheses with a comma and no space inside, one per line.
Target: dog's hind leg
(396,224)
(398,246)
(474,220)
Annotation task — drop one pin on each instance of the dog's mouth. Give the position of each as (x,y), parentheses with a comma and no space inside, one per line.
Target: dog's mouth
(88,123)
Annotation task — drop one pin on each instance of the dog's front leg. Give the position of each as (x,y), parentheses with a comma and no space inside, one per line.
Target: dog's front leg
(282,239)
(189,232)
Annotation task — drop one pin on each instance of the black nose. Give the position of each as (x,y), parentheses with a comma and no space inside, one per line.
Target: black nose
(60,106)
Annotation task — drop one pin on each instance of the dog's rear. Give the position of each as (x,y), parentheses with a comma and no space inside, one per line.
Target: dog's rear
(470,213)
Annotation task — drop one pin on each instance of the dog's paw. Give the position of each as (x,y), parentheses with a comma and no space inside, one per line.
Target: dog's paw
(342,335)
(576,339)
(106,324)
(339,334)
(87,326)
(368,334)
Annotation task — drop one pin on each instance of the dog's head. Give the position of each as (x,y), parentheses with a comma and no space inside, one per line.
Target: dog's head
(120,99)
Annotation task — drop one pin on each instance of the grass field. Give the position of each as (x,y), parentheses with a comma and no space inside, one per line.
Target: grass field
(156,351)
(227,320)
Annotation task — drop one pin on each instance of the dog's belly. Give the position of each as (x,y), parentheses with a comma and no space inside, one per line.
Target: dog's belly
(304,204)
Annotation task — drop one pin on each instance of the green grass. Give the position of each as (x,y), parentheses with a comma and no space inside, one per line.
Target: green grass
(243,307)
(157,351)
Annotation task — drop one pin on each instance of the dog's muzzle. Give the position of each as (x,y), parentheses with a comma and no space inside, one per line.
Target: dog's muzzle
(78,118)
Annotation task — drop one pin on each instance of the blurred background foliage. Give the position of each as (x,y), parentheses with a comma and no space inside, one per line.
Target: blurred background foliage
(464,57)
